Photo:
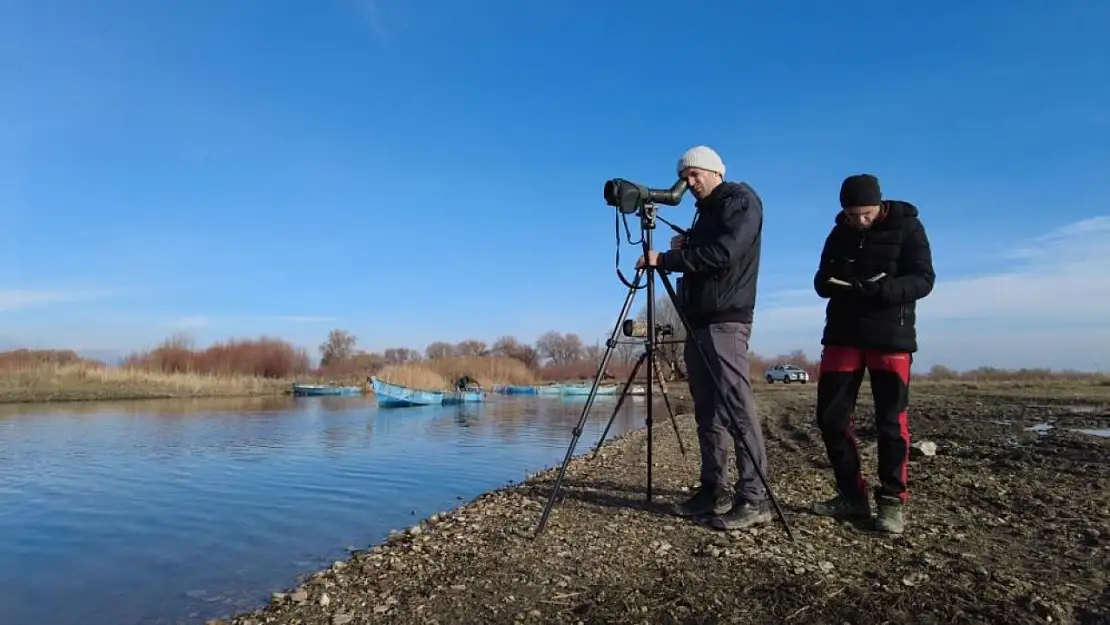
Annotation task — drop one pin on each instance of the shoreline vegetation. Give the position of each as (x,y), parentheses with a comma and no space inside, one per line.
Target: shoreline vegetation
(267,366)
(996,533)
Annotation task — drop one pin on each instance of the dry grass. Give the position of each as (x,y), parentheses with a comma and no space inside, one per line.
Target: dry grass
(440,374)
(417,377)
(488,370)
(41,382)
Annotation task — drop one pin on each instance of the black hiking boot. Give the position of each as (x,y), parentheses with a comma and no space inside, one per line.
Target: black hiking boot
(706,500)
(844,508)
(891,517)
(742,515)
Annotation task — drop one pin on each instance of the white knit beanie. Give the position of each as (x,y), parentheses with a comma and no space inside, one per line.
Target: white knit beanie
(701,157)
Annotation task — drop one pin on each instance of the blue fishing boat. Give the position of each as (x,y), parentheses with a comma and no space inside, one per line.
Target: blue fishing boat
(463,397)
(549,389)
(397,396)
(518,389)
(325,390)
(585,390)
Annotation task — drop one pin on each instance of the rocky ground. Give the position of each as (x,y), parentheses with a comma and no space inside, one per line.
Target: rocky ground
(1005,526)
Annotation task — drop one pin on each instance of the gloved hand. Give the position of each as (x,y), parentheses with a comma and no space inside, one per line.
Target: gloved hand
(865,289)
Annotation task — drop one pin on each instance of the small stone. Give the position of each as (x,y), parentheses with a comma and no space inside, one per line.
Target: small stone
(325,600)
(342,619)
(415,529)
(923,449)
(826,566)
(915,578)
(277,597)
(300,596)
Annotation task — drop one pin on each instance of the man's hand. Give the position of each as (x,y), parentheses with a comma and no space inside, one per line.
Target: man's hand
(652,260)
(677,241)
(867,288)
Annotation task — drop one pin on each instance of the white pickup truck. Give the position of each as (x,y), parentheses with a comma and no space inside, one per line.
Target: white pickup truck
(786,374)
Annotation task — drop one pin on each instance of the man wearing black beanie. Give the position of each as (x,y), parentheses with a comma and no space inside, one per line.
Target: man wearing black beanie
(875,265)
(719,262)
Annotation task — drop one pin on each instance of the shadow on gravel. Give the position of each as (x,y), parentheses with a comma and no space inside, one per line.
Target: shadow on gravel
(629,498)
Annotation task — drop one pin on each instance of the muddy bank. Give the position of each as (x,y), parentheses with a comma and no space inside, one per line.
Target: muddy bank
(1005,525)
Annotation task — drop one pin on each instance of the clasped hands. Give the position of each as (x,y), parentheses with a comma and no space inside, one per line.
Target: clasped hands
(866,288)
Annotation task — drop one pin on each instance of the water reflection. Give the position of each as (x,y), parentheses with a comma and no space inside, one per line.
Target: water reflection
(181,511)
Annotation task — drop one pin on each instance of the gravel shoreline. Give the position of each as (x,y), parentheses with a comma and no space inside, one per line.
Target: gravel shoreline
(1005,525)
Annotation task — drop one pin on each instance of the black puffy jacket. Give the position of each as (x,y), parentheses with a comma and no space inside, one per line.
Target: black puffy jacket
(720,262)
(896,244)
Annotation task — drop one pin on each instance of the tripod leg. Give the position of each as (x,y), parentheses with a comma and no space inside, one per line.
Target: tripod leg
(602,366)
(667,402)
(620,402)
(733,427)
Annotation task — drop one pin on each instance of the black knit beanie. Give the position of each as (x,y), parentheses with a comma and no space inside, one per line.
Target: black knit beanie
(860,190)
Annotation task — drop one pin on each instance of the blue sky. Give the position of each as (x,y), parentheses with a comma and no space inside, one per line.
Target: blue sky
(414,171)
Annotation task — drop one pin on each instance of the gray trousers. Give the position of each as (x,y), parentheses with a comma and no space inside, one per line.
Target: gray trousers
(726,346)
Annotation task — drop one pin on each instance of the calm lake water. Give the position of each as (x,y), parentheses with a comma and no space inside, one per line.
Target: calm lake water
(177,512)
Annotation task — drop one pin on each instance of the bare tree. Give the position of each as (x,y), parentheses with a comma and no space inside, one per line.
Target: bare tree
(400,355)
(509,347)
(339,346)
(439,349)
(471,348)
(560,349)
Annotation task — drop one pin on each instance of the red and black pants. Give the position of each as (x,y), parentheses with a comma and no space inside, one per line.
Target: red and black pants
(838,387)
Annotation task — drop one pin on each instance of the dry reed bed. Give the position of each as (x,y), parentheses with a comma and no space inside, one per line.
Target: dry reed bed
(441,373)
(83,382)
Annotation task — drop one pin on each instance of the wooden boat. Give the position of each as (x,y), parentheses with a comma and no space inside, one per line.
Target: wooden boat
(397,396)
(324,390)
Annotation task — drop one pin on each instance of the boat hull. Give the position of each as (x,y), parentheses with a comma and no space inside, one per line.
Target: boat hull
(317,390)
(585,390)
(463,397)
(396,396)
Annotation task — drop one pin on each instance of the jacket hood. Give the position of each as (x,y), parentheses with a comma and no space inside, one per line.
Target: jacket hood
(896,211)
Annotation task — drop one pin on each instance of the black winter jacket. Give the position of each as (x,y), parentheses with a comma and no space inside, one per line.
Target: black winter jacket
(885,319)
(720,261)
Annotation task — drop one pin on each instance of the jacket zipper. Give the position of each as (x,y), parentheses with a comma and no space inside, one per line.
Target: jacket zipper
(901,315)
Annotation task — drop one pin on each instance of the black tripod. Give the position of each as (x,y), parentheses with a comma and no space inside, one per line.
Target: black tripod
(628,384)
(647,210)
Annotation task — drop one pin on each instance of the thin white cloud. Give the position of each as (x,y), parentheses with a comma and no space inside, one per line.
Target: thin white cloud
(1056,280)
(25,298)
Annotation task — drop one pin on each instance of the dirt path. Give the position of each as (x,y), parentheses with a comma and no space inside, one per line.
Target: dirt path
(1005,526)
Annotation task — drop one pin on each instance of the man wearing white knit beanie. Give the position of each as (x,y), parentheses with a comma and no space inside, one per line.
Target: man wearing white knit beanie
(719,262)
